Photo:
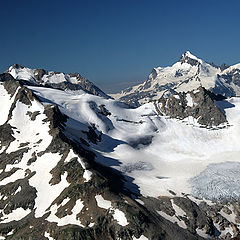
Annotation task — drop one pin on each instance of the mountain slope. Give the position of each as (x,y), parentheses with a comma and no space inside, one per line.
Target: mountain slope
(187,74)
(51,186)
(79,166)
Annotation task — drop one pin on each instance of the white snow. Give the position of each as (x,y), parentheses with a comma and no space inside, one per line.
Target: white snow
(230,217)
(102,203)
(72,155)
(176,96)
(91,224)
(189,99)
(173,219)
(15,215)
(41,182)
(190,55)
(54,78)
(224,232)
(66,200)
(120,217)
(47,235)
(87,175)
(22,73)
(174,143)
(183,77)
(68,219)
(140,201)
(142,237)
(178,210)
(18,190)
(202,233)
(10,233)
(50,76)
(158,153)
(6,102)
(28,130)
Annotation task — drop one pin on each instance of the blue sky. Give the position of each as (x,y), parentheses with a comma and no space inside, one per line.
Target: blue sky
(116,43)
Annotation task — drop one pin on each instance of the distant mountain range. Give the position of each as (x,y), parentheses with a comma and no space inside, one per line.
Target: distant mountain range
(187,74)
(58,80)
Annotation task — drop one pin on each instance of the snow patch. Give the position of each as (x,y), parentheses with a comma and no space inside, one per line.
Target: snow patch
(15,215)
(173,219)
(47,235)
(68,219)
(189,99)
(87,175)
(178,210)
(120,217)
(202,233)
(142,237)
(102,203)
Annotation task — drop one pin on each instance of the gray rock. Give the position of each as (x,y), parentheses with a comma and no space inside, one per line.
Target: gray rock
(201,107)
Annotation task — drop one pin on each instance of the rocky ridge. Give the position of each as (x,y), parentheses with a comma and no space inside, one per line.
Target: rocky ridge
(58,80)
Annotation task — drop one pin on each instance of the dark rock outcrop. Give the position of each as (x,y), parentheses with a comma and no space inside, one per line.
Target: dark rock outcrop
(198,104)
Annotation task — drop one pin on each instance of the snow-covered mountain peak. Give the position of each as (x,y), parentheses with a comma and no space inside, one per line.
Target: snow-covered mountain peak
(187,74)
(59,80)
(188,57)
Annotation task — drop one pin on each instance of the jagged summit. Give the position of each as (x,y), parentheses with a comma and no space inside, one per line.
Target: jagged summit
(59,80)
(188,57)
(17,66)
(185,75)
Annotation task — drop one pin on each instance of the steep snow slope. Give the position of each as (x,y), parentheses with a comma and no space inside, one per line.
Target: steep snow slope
(187,74)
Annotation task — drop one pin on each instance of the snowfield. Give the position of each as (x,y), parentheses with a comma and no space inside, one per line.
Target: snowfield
(159,153)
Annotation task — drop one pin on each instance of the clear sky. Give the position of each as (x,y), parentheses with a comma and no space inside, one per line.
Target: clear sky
(116,43)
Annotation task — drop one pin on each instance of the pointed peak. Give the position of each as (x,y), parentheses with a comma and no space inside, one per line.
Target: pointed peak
(189,54)
(188,57)
(16,66)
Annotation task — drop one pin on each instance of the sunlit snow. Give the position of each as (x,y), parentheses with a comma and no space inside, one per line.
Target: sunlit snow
(178,151)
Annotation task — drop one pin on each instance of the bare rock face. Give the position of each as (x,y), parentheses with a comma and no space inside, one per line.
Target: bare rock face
(198,104)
